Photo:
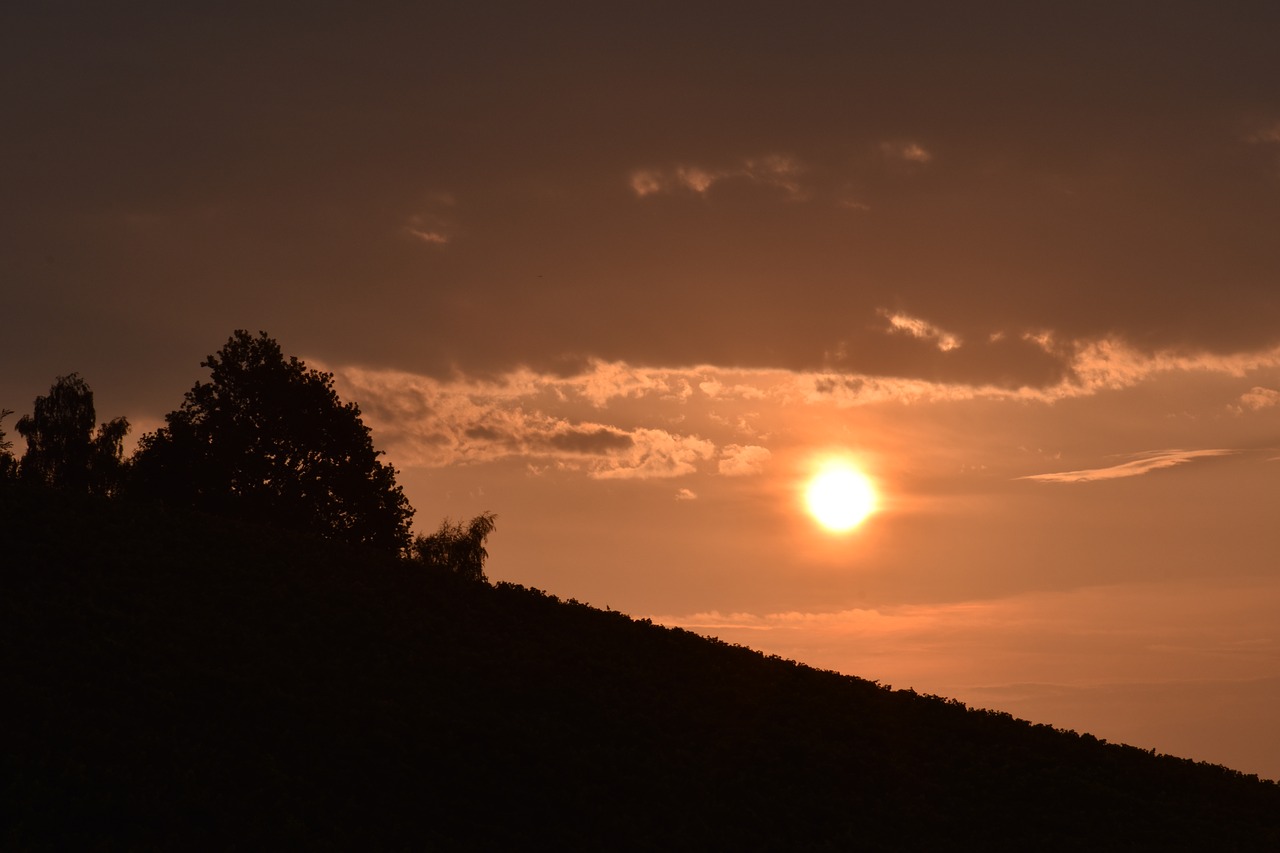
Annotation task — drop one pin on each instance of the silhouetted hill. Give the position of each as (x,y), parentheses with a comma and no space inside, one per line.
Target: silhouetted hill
(177,681)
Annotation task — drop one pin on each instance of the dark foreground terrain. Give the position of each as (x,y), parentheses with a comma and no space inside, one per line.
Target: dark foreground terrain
(172,681)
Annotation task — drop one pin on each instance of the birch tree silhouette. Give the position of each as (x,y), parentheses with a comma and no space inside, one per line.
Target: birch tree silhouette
(62,449)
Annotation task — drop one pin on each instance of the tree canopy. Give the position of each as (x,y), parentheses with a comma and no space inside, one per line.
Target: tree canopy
(8,465)
(267,439)
(62,449)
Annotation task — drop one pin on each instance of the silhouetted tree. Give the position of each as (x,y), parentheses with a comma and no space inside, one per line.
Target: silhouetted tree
(62,450)
(267,439)
(456,548)
(8,465)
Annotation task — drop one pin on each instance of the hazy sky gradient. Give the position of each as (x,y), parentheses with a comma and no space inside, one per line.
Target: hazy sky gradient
(625,274)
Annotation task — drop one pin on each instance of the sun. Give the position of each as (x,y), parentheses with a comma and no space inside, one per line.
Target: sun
(840,497)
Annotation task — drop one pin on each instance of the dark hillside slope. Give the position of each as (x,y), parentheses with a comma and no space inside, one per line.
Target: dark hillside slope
(175,681)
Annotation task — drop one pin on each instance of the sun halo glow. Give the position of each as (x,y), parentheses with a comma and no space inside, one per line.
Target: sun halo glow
(840,497)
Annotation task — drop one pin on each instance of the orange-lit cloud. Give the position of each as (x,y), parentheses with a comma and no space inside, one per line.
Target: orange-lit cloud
(1143,464)
(436,238)
(1040,656)
(654,453)
(1092,366)
(774,170)
(434,226)
(430,423)
(1055,634)
(739,460)
(613,420)
(1256,399)
(907,151)
(924,330)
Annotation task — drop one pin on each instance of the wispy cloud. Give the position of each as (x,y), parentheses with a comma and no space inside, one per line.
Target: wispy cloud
(906,150)
(923,330)
(774,170)
(435,224)
(1269,133)
(1143,464)
(436,238)
(1042,635)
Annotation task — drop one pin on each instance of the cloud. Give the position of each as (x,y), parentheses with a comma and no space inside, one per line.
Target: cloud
(715,388)
(905,150)
(425,422)
(434,224)
(433,228)
(604,381)
(1145,463)
(1256,399)
(1267,134)
(647,182)
(595,441)
(857,621)
(435,238)
(773,170)
(687,178)
(1038,634)
(686,495)
(1092,366)
(654,453)
(484,433)
(923,330)
(1111,365)
(739,460)
(1022,653)
(614,420)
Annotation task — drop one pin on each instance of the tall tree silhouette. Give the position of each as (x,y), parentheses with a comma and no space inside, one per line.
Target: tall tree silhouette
(456,548)
(62,450)
(268,439)
(8,465)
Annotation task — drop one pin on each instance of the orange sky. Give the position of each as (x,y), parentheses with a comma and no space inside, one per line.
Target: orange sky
(621,275)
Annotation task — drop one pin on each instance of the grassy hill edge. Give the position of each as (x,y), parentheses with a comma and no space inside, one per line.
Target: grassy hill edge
(180,679)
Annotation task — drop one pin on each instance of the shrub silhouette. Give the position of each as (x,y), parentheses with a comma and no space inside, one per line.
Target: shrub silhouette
(62,451)
(456,548)
(268,440)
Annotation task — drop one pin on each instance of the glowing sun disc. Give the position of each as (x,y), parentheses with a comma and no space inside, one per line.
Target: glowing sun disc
(840,498)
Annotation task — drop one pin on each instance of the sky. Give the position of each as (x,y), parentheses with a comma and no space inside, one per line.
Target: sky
(628,275)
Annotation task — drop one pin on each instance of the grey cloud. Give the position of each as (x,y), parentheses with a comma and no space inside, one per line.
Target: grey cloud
(591,441)
(254,180)
(484,433)
(931,354)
